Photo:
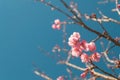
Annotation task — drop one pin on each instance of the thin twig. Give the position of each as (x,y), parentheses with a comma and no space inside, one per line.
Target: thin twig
(107,58)
(42,75)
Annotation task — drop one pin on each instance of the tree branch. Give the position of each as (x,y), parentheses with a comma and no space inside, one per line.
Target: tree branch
(94,72)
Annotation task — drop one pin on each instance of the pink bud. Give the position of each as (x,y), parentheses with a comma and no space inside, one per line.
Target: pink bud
(92,46)
(95,57)
(60,78)
(83,75)
(84,45)
(118,6)
(58,27)
(57,21)
(54,26)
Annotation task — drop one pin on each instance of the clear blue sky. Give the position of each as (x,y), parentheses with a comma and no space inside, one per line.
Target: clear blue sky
(25,25)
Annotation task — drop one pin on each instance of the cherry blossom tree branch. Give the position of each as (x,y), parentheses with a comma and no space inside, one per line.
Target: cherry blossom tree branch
(103,70)
(106,36)
(107,19)
(94,72)
(104,18)
(72,65)
(81,23)
(104,76)
(77,19)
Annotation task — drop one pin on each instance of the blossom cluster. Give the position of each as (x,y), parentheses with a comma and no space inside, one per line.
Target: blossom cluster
(78,48)
(57,24)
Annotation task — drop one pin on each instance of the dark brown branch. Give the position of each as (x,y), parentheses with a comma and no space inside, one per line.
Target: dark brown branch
(83,24)
(103,70)
(99,34)
(95,73)
(108,37)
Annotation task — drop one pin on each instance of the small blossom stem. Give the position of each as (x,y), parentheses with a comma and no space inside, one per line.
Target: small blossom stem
(103,27)
(116,9)
(64,36)
(42,75)
(107,58)
(107,19)
(74,66)
(110,48)
(68,58)
(97,38)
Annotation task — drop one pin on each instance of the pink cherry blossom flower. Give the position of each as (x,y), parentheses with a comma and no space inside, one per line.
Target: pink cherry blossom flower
(84,45)
(57,24)
(74,39)
(76,51)
(84,57)
(95,57)
(76,34)
(60,78)
(57,21)
(83,75)
(91,46)
(54,26)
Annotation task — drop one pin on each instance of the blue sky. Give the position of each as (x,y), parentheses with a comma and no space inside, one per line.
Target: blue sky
(24,26)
